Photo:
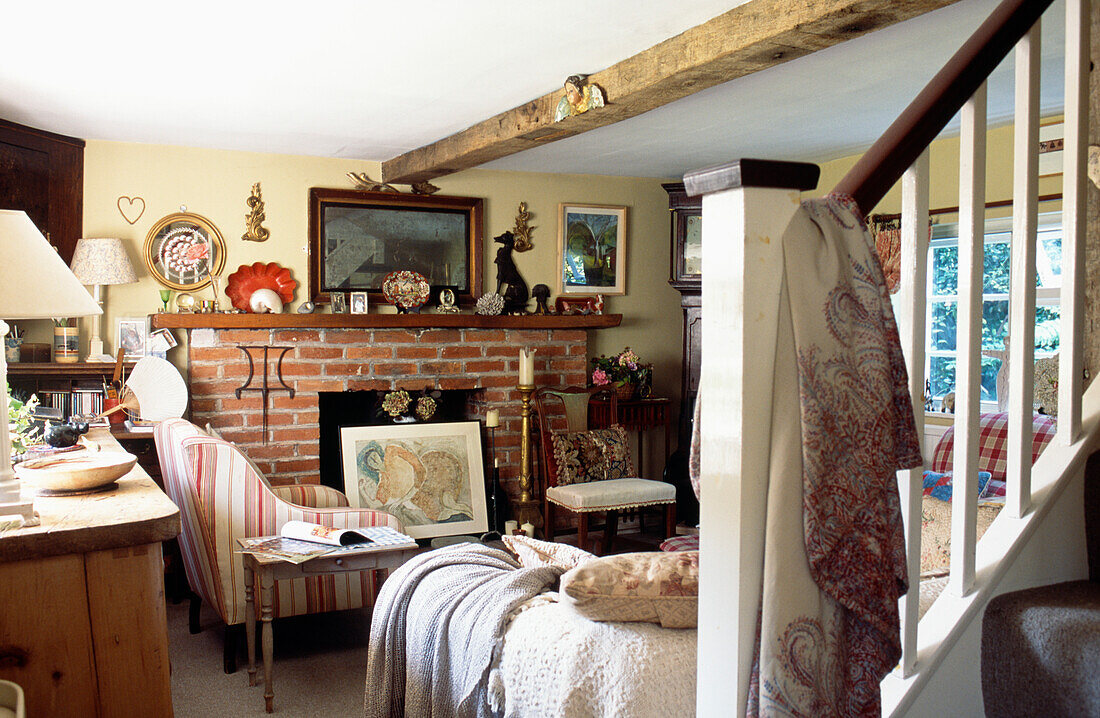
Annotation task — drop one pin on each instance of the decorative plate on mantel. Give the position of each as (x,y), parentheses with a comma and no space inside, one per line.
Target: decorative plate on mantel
(406,290)
(258,275)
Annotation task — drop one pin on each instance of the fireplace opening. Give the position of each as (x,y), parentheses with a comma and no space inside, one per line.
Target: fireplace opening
(337,409)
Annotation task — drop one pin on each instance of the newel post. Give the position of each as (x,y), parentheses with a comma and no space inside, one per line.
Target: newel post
(746,207)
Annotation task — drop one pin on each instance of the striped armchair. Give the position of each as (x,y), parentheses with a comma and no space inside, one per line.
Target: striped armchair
(222,496)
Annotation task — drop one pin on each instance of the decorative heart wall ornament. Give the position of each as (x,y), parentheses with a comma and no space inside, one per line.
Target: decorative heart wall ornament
(133,204)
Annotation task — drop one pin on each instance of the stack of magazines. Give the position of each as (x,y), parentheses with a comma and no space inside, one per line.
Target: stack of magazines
(299,541)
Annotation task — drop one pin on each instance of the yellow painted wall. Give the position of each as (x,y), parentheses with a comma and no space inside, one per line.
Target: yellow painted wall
(944,173)
(215,184)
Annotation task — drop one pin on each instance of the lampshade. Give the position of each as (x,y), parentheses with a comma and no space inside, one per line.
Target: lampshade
(34,281)
(102,260)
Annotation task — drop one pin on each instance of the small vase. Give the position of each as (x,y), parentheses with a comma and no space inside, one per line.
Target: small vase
(625,392)
(66,344)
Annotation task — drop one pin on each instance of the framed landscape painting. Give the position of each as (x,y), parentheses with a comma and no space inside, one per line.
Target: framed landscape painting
(429,476)
(591,249)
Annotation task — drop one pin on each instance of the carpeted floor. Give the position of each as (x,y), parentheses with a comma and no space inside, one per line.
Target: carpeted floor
(319,668)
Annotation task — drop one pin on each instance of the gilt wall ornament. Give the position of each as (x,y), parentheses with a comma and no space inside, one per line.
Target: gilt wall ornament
(521,231)
(131,207)
(363,181)
(254,229)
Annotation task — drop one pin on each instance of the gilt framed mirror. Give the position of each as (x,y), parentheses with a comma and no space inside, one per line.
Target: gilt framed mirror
(356,238)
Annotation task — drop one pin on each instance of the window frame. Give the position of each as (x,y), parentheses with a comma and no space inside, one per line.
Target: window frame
(998,230)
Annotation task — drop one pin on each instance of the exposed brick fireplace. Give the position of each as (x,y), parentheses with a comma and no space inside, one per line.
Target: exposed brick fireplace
(325,358)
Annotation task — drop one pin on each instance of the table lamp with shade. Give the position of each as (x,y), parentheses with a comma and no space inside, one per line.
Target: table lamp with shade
(98,261)
(34,284)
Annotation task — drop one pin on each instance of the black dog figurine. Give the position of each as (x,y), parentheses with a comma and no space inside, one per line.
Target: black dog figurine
(515,296)
(541,293)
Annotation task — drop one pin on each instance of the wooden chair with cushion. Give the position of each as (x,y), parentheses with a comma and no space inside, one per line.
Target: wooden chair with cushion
(222,496)
(589,471)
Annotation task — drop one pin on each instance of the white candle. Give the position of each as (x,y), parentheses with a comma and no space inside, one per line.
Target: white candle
(527,367)
(510,527)
(528,529)
(492,418)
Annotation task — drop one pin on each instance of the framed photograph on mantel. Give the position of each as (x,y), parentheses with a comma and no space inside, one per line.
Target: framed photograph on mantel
(356,238)
(429,476)
(591,249)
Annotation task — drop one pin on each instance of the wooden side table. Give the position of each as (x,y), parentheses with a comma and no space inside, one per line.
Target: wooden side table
(269,570)
(639,415)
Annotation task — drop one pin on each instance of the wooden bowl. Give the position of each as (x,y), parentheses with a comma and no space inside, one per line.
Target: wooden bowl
(76,472)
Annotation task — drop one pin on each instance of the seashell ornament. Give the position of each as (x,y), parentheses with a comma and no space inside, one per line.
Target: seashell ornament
(265,301)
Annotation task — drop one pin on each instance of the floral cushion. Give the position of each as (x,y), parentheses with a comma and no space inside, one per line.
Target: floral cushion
(654,587)
(617,450)
(533,553)
(577,457)
(598,455)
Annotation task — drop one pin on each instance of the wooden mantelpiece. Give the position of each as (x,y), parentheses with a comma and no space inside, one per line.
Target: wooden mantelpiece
(383,321)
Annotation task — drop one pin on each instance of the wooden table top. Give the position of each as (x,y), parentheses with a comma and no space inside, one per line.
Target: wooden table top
(136,513)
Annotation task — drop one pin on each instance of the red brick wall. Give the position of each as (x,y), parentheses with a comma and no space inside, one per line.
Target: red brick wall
(486,360)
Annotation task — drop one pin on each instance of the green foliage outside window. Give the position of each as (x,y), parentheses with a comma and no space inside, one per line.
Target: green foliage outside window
(943,321)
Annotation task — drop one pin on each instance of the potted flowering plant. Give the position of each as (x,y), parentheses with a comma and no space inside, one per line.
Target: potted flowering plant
(624,373)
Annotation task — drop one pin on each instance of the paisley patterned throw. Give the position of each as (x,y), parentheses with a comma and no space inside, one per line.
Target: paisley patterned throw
(832,633)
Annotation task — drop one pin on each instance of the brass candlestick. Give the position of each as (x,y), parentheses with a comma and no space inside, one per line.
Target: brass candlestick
(525,392)
(526,508)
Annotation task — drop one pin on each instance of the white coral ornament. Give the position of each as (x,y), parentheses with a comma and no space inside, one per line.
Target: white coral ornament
(490,304)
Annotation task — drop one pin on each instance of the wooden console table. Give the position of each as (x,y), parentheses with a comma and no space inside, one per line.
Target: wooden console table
(83,627)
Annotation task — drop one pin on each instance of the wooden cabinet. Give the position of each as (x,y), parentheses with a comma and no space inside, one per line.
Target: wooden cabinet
(82,614)
(42,173)
(686,275)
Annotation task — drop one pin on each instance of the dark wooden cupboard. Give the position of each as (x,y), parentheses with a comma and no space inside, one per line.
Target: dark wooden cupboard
(42,173)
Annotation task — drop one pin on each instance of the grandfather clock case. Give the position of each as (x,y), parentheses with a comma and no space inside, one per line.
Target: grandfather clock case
(686,275)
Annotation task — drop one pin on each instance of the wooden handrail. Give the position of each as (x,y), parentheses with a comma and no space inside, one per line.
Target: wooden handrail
(926,116)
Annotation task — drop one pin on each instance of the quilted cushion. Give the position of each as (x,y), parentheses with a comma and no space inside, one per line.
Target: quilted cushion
(993,444)
(940,485)
(612,494)
(533,553)
(598,455)
(935,533)
(654,587)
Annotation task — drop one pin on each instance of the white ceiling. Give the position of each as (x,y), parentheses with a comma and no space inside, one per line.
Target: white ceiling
(371,80)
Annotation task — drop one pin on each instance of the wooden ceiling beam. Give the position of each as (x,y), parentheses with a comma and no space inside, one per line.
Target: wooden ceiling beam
(752,37)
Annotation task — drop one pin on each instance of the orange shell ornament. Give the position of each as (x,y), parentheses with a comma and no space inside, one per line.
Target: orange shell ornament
(258,275)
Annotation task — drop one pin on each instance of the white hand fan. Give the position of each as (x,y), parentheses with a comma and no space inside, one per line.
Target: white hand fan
(158,388)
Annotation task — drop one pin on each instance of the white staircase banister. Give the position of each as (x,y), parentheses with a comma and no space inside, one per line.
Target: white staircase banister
(746,208)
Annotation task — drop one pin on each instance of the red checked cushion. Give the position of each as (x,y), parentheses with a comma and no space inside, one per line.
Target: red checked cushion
(993,444)
(680,543)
